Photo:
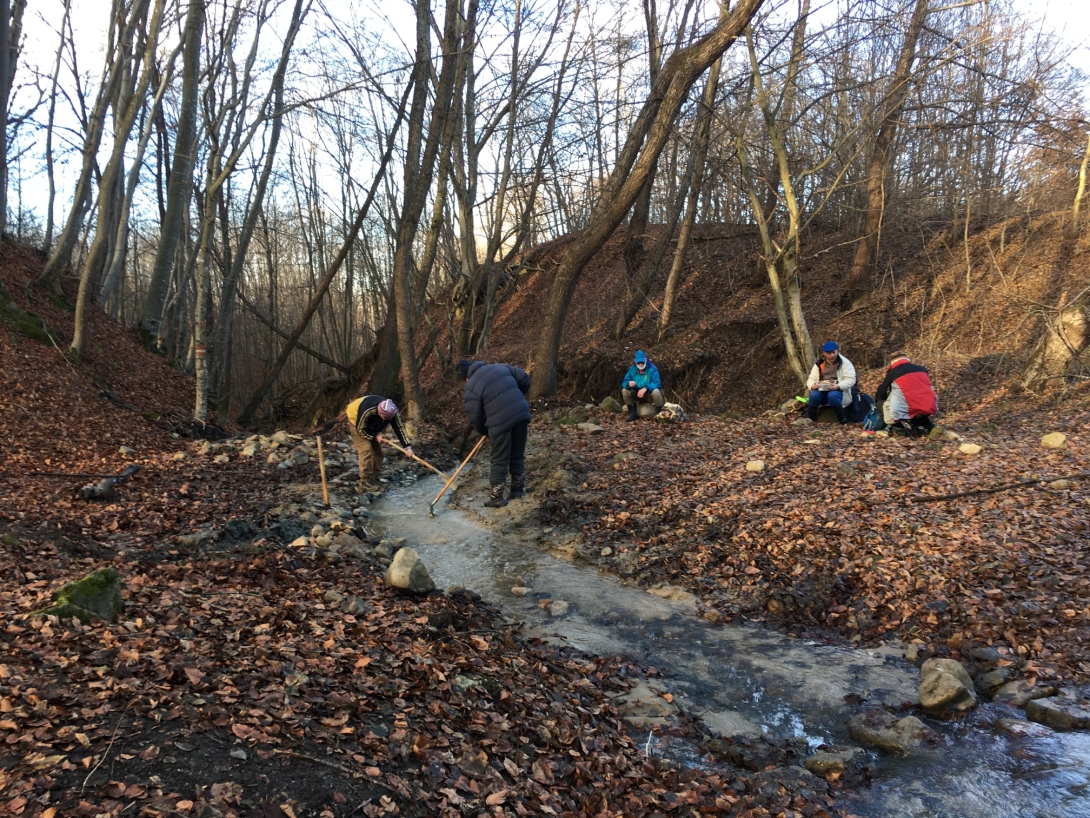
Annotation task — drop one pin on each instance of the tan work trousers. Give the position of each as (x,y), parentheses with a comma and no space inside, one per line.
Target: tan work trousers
(369,453)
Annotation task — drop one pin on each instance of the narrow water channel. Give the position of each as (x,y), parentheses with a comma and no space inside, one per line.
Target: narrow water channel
(738,679)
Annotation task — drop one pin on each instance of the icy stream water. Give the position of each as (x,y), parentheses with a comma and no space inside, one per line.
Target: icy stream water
(752,678)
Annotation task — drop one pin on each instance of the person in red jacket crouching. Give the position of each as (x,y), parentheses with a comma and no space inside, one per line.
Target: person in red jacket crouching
(908,400)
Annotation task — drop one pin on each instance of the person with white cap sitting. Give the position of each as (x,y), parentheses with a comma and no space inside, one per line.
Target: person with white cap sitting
(368,418)
(831,377)
(907,397)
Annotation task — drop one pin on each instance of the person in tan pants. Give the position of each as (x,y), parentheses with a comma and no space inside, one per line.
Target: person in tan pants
(368,418)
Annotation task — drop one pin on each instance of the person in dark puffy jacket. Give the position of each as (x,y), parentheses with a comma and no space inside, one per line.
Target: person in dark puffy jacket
(907,397)
(496,406)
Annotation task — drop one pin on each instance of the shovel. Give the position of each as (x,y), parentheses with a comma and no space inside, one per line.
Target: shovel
(419,460)
(431,508)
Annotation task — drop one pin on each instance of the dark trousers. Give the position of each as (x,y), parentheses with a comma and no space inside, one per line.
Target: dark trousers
(508,453)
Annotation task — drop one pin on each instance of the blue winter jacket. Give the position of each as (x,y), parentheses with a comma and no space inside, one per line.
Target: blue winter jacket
(649,378)
(496,397)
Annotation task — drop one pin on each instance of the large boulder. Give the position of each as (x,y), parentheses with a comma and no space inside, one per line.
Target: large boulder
(888,733)
(96,595)
(408,573)
(945,685)
(611,404)
(1060,713)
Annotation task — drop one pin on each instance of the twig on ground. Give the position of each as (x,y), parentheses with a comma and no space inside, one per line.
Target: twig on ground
(989,490)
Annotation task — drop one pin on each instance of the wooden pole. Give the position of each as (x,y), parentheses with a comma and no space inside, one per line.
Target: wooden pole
(321,470)
(431,508)
(419,460)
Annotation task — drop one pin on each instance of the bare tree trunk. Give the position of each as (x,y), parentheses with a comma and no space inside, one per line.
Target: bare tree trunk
(47,242)
(635,164)
(1073,229)
(9,51)
(247,415)
(180,182)
(702,137)
(112,75)
(419,171)
(222,332)
(1059,351)
(130,99)
(859,279)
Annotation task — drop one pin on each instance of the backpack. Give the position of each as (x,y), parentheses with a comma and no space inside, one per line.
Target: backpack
(874,422)
(859,407)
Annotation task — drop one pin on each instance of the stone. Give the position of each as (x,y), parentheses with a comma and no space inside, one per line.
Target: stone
(249,450)
(521,590)
(755,465)
(606,552)
(1059,713)
(127,451)
(989,656)
(592,428)
(945,685)
(969,448)
(611,404)
(96,595)
(579,414)
(621,457)
(988,683)
(1060,484)
(221,459)
(888,733)
(1020,692)
(272,459)
(1054,440)
(646,410)
(299,542)
(179,456)
(729,724)
(408,573)
(801,422)
(332,597)
(238,753)
(1020,728)
(282,438)
(643,705)
(317,531)
(558,608)
(835,760)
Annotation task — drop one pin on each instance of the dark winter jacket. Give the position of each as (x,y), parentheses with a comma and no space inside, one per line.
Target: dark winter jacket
(915,382)
(363,414)
(496,397)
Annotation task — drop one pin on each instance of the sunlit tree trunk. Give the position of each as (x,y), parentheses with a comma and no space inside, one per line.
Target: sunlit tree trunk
(637,159)
(881,158)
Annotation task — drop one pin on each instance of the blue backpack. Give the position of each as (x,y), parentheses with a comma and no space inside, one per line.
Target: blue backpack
(874,422)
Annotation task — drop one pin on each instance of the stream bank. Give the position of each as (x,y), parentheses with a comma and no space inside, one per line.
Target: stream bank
(740,684)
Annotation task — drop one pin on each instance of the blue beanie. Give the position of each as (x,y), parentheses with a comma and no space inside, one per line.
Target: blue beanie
(830,346)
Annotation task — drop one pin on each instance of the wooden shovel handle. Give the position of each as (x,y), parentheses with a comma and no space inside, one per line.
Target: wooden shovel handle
(458,471)
(419,460)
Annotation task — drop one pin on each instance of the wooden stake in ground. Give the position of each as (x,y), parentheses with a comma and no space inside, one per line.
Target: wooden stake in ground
(419,460)
(431,508)
(321,470)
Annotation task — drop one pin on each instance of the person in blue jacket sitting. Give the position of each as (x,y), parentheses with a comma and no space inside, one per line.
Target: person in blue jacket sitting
(641,384)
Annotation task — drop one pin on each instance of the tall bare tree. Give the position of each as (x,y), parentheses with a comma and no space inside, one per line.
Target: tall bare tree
(643,144)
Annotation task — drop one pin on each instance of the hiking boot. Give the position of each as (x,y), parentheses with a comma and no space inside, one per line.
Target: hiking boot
(811,412)
(841,415)
(898,428)
(368,487)
(631,413)
(518,487)
(495,497)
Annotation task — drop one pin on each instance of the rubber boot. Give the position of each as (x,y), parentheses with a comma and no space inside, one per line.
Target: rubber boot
(841,415)
(518,486)
(811,412)
(631,413)
(495,497)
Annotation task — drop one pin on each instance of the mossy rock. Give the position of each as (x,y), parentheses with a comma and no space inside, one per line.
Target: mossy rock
(96,595)
(62,303)
(8,540)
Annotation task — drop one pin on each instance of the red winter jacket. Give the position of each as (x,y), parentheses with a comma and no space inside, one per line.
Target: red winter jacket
(915,383)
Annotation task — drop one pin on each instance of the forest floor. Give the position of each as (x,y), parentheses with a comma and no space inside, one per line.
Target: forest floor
(249,677)
(234,685)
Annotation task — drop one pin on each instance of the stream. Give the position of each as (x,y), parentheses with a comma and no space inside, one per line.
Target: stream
(745,679)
